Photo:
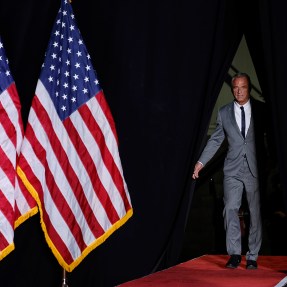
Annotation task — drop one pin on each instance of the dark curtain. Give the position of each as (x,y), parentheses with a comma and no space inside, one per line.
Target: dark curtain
(161,65)
(273,33)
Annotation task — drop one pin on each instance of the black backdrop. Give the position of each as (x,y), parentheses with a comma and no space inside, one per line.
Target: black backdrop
(161,65)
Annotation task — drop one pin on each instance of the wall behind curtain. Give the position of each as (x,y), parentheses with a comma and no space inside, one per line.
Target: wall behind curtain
(161,65)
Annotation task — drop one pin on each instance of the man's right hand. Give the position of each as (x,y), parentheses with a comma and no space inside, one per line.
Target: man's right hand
(197,168)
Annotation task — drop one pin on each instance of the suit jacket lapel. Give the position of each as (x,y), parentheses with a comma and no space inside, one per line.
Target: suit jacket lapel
(232,118)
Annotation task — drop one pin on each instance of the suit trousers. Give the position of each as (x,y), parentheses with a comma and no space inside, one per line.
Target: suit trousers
(233,191)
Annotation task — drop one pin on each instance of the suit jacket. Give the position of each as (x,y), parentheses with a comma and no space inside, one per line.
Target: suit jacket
(238,147)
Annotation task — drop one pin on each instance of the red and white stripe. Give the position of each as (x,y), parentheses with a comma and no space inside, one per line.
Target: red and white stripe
(73,169)
(11,136)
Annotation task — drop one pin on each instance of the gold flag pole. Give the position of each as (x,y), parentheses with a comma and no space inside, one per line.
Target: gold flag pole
(64,279)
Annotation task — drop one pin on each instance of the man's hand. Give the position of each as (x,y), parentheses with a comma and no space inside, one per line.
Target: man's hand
(197,168)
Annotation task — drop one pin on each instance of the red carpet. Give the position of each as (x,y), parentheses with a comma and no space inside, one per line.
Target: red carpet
(209,270)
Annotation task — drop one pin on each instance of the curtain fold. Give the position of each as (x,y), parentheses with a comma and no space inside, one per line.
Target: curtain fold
(266,36)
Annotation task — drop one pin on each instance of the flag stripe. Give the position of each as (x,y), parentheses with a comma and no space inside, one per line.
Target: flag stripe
(7,167)
(57,197)
(25,204)
(6,207)
(62,157)
(90,164)
(3,241)
(53,236)
(109,146)
(26,201)
(107,112)
(11,136)
(115,181)
(11,107)
(6,123)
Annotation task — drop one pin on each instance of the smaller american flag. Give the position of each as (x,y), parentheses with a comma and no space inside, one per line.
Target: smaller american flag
(16,204)
(69,158)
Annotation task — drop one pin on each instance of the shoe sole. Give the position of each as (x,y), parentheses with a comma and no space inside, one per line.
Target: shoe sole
(231,266)
(251,268)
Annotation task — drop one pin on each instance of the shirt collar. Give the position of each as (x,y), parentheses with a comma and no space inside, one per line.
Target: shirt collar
(246,105)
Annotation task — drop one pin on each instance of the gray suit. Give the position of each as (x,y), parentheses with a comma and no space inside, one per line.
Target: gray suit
(240,172)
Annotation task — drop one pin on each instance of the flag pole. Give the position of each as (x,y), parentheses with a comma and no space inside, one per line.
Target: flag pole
(64,279)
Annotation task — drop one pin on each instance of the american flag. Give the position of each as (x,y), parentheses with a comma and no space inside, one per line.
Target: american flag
(16,204)
(69,158)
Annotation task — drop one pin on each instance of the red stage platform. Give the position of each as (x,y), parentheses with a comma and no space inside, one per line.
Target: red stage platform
(209,270)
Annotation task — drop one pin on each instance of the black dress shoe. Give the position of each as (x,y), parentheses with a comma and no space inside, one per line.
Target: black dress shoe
(233,261)
(251,264)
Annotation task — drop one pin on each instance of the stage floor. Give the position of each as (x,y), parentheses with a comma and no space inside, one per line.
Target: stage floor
(209,270)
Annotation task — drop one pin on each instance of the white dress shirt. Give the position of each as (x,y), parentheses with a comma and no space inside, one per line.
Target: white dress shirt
(247,110)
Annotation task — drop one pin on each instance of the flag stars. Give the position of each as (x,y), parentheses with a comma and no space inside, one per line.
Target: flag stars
(68,69)
(7,73)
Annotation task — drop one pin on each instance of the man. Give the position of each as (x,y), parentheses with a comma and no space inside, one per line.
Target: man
(237,121)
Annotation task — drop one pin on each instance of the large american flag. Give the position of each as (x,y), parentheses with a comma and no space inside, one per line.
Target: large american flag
(16,204)
(69,158)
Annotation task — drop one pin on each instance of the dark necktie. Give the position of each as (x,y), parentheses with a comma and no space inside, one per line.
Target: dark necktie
(242,121)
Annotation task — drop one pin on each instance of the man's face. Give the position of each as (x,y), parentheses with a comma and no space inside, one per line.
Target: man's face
(240,90)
